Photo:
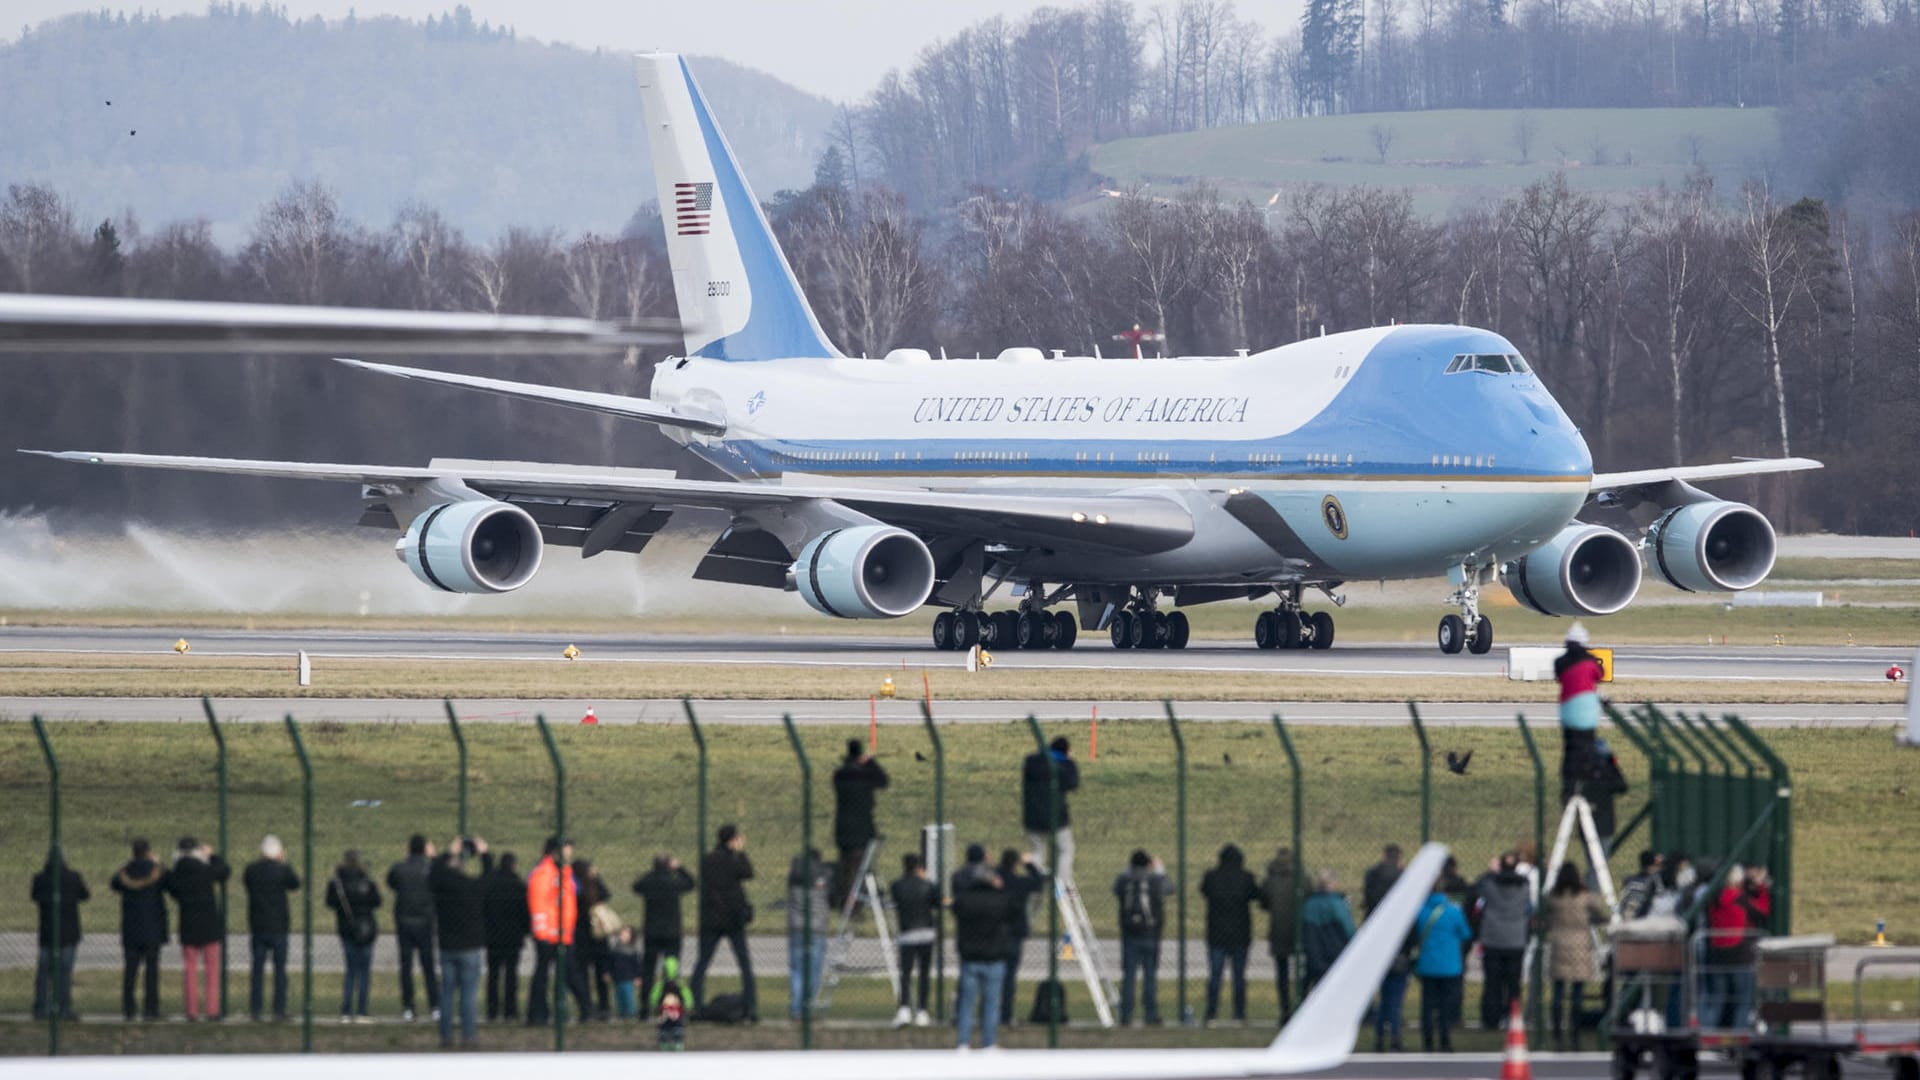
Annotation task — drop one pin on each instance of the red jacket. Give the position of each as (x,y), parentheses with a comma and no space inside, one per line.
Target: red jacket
(1581,677)
(1733,915)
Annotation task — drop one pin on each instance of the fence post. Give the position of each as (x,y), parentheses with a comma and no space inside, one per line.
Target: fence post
(1703,833)
(1780,851)
(1426,775)
(1656,776)
(939,862)
(1722,815)
(220,775)
(1739,793)
(1689,826)
(57,868)
(460,741)
(1536,982)
(306,892)
(806,883)
(1054,885)
(699,801)
(560,957)
(1180,849)
(1299,974)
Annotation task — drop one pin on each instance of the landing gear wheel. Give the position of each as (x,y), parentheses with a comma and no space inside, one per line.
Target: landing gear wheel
(943,630)
(1066,629)
(968,627)
(999,630)
(1482,637)
(1322,630)
(1290,626)
(1140,631)
(1266,631)
(1453,634)
(1029,630)
(1178,630)
(1121,629)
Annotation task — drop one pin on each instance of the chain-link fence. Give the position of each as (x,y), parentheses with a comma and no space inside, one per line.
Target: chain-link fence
(651,799)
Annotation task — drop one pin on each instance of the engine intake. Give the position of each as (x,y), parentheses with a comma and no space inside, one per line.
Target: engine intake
(1584,570)
(1712,546)
(865,572)
(475,546)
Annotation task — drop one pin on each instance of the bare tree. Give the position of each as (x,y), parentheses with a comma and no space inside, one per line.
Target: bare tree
(300,247)
(1382,137)
(1772,279)
(434,255)
(1674,268)
(37,237)
(1525,131)
(1152,255)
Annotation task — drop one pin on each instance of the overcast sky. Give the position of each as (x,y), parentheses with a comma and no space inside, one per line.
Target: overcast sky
(837,48)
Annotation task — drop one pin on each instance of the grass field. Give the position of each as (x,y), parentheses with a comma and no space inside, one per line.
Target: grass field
(1445,155)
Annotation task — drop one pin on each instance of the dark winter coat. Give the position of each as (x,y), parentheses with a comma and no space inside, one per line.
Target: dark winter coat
(1231,893)
(73,892)
(503,909)
(1127,889)
(1326,925)
(661,890)
(351,893)
(797,900)
(1376,884)
(192,887)
(1033,790)
(853,786)
(143,903)
(459,903)
(723,895)
(1276,895)
(982,922)
(268,882)
(1022,887)
(914,900)
(1506,910)
(412,893)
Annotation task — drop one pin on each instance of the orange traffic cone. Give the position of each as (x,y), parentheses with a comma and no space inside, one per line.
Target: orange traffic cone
(590,718)
(1516,1066)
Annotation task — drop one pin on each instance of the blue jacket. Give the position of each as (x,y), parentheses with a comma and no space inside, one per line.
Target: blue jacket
(1442,934)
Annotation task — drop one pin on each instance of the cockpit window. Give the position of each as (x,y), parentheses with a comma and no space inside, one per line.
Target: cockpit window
(1492,363)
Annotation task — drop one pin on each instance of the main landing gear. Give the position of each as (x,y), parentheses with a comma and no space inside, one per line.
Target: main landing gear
(1470,629)
(1145,628)
(1288,627)
(1035,628)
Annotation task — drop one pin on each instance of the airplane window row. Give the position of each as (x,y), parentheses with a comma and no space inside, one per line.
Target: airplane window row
(1153,455)
(991,455)
(812,457)
(1463,461)
(1492,363)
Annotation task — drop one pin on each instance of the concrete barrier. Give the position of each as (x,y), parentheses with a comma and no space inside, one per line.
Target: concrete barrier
(1756,598)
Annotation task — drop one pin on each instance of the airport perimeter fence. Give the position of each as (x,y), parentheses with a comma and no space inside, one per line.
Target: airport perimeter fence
(1322,797)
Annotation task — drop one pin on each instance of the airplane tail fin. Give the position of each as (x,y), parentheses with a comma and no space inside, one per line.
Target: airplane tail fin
(736,293)
(1322,1033)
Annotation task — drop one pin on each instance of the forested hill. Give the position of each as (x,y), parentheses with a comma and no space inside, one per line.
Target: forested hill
(212,115)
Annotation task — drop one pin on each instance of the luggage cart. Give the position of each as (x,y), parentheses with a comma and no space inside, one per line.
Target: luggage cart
(1650,991)
(1898,1045)
(1790,982)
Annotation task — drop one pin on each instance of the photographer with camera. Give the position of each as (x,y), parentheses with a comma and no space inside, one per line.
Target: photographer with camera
(459,908)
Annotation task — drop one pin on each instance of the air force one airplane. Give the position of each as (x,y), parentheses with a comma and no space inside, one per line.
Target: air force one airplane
(875,486)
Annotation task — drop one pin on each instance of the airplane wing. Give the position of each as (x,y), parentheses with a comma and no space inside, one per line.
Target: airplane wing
(1689,473)
(1140,524)
(1320,1036)
(620,405)
(34,323)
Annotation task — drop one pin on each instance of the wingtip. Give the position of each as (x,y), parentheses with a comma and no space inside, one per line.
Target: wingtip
(84,456)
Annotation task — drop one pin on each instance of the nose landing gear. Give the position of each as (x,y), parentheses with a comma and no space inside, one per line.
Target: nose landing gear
(1469,630)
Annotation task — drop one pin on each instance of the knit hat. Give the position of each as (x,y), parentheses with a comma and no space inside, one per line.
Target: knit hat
(1577,635)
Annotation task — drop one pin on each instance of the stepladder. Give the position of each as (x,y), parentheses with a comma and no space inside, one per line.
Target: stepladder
(845,956)
(1080,945)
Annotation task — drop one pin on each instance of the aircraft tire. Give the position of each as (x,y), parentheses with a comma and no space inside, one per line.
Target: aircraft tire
(1006,630)
(1029,631)
(967,627)
(1482,643)
(1266,631)
(1322,629)
(1179,630)
(1452,634)
(1290,627)
(943,631)
(1120,629)
(1140,632)
(1067,629)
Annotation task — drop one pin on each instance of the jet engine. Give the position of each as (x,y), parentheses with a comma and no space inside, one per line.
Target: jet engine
(1583,570)
(864,572)
(474,546)
(1712,546)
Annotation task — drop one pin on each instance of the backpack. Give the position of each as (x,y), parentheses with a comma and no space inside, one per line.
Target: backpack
(1049,1002)
(725,1009)
(360,927)
(1136,907)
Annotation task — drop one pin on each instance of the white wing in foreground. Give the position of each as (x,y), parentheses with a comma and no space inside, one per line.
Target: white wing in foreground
(1320,1036)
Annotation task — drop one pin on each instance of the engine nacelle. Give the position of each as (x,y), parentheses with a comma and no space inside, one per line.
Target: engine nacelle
(865,572)
(1583,570)
(1712,547)
(474,546)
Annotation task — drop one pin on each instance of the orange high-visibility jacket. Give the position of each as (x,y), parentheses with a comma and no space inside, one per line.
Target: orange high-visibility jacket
(542,884)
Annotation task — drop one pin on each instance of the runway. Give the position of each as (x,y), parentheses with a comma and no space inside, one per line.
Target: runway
(1771,664)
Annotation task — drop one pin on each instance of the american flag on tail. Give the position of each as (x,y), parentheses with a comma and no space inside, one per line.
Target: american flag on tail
(692,209)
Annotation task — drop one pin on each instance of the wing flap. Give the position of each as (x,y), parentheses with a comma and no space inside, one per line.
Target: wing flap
(629,408)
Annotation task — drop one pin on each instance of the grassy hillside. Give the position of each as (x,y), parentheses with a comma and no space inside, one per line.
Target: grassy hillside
(1453,154)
